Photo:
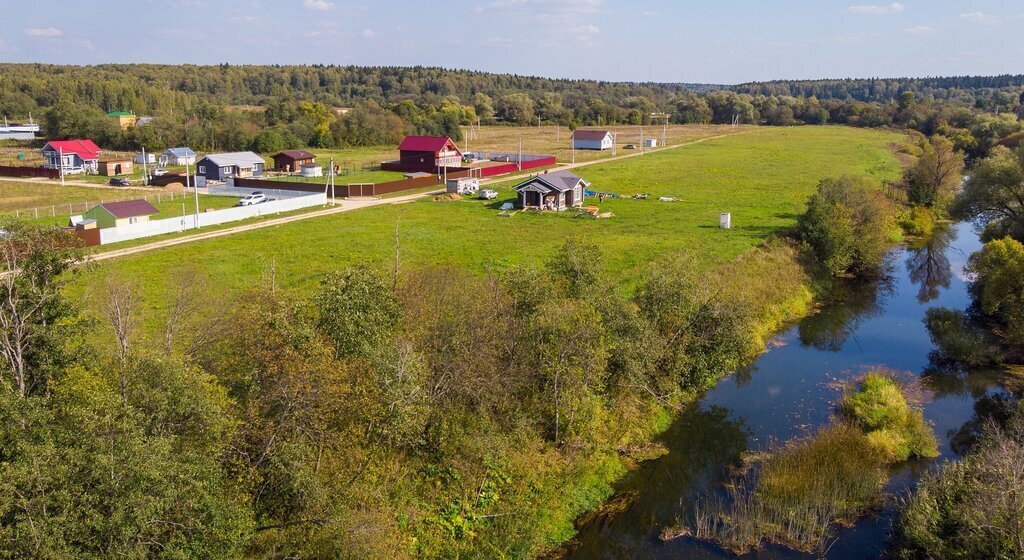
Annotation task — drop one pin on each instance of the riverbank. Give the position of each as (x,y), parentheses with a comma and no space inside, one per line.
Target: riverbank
(789,391)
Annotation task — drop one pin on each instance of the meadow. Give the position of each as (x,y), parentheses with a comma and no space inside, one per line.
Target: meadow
(763,177)
(50,203)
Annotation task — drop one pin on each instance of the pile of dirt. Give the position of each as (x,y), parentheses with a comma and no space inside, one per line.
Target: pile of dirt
(447,197)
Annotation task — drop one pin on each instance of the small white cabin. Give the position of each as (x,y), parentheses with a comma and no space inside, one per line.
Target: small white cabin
(466,185)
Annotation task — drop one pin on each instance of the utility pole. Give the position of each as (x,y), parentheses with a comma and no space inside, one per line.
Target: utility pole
(641,140)
(520,163)
(195,192)
(60,152)
(145,170)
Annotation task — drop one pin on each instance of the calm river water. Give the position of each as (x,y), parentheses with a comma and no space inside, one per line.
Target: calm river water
(792,389)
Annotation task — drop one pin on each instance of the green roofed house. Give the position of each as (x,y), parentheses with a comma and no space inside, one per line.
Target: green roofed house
(125,120)
(117,214)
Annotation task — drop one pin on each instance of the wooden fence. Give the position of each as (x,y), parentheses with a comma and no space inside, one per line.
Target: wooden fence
(27,171)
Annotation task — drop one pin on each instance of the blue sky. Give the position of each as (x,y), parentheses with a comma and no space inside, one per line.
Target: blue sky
(724,41)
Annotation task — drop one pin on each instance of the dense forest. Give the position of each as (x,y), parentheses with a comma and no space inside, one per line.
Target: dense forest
(267,108)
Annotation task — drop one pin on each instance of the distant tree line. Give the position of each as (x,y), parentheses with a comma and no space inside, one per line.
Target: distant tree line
(269,107)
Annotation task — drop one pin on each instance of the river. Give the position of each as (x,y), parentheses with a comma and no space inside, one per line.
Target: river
(790,390)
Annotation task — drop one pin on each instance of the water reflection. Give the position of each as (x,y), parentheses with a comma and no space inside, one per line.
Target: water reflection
(851,303)
(928,264)
(702,445)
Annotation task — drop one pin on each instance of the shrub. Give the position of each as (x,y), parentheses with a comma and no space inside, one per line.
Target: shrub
(999,285)
(890,425)
(917,221)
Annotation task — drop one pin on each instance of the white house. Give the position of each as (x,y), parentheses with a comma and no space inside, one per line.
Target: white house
(147,158)
(179,156)
(593,140)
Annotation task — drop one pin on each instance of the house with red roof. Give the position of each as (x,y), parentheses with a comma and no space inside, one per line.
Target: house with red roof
(425,154)
(73,156)
(119,214)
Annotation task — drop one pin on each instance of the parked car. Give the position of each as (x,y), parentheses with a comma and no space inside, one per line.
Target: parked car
(254,198)
(119,182)
(159,171)
(488,194)
(629,147)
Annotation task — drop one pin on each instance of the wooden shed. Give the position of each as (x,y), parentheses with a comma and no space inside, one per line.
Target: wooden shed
(114,167)
(291,161)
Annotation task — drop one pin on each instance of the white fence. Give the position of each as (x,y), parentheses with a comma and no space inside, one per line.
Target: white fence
(182,223)
(228,190)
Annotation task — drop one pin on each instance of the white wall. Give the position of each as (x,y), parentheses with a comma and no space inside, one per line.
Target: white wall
(182,223)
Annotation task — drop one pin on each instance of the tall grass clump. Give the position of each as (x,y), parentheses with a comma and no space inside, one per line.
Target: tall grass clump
(879,408)
(797,493)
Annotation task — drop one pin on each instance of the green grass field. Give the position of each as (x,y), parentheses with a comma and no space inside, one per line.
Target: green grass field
(763,177)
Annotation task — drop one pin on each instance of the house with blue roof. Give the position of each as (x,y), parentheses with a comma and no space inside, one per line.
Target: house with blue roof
(179,156)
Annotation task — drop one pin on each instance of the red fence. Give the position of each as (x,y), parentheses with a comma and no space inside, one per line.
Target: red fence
(26,171)
(247,183)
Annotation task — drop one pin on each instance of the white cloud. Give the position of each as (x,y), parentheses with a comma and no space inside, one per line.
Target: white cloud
(979,17)
(246,19)
(43,32)
(318,5)
(921,30)
(871,10)
(650,13)
(369,33)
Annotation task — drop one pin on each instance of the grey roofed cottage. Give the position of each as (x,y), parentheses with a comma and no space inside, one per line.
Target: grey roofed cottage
(557,190)
(179,156)
(220,167)
(592,140)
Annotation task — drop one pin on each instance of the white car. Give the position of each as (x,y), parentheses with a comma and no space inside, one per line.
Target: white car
(488,194)
(254,198)
(159,172)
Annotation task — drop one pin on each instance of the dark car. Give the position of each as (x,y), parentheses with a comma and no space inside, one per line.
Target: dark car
(118,182)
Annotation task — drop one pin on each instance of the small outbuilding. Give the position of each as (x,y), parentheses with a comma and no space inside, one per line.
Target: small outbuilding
(651,142)
(312,170)
(115,167)
(558,190)
(593,140)
(118,214)
(465,185)
(290,161)
(148,158)
(179,156)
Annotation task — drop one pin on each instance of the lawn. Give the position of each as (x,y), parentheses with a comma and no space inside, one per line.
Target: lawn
(763,177)
(354,176)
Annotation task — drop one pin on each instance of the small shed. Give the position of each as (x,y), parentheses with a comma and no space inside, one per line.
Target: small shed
(465,185)
(558,190)
(118,214)
(312,170)
(114,167)
(593,140)
(144,158)
(290,161)
(651,142)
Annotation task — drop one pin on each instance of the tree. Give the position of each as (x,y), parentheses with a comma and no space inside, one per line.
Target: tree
(993,197)
(998,287)
(577,266)
(848,225)
(356,309)
(571,355)
(937,174)
(516,108)
(33,312)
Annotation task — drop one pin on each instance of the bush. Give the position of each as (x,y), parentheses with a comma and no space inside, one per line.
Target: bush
(894,429)
(969,509)
(999,286)
(918,221)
